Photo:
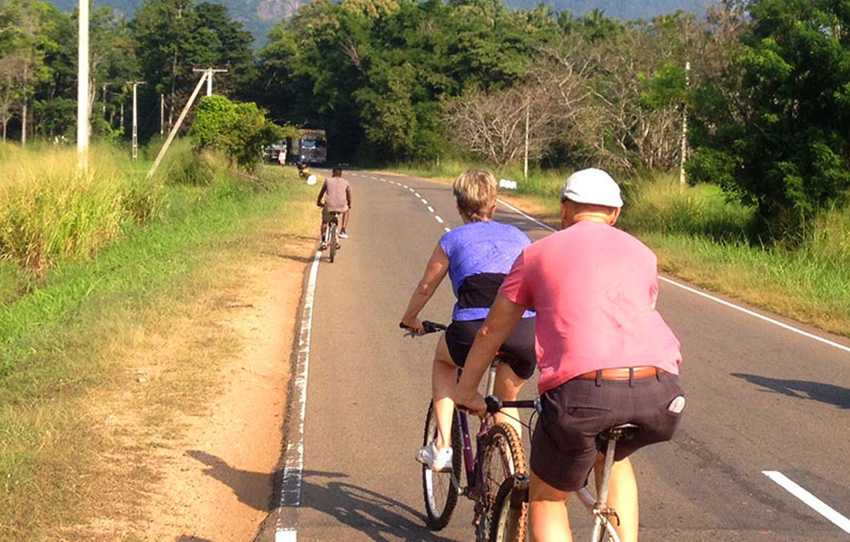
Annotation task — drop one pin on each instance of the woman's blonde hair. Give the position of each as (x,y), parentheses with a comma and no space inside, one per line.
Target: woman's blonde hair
(475,191)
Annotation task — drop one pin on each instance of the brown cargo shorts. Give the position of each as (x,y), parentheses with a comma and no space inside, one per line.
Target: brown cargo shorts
(565,445)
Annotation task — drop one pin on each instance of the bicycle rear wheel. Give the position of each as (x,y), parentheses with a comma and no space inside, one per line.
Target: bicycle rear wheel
(502,457)
(510,511)
(439,490)
(333,241)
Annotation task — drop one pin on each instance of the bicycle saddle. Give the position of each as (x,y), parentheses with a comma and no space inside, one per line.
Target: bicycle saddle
(619,431)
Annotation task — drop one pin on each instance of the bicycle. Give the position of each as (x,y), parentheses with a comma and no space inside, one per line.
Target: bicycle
(498,456)
(510,509)
(332,236)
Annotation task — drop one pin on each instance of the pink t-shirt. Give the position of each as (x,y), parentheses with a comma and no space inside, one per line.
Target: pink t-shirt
(594,288)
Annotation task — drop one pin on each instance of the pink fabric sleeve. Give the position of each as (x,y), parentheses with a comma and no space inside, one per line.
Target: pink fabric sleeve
(515,286)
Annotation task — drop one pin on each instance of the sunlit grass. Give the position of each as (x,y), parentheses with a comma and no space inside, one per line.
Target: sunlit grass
(52,210)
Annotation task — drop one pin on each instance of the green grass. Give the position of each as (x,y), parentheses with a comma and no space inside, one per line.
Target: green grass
(55,333)
(704,237)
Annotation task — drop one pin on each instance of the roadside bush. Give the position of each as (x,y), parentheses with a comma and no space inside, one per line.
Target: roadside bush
(240,130)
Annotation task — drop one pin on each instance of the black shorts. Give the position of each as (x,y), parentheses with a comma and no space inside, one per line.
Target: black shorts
(518,350)
(564,444)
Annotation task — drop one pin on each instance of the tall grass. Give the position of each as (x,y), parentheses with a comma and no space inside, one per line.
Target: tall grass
(51,210)
(662,205)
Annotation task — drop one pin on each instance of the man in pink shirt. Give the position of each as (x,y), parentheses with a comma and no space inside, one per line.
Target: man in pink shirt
(606,356)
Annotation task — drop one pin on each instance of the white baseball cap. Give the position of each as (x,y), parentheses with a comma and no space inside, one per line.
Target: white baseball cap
(592,186)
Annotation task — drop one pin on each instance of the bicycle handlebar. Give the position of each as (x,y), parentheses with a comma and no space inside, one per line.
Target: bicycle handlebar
(494,404)
(427,327)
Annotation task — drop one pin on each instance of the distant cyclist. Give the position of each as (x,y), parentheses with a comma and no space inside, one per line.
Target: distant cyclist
(477,256)
(606,355)
(337,194)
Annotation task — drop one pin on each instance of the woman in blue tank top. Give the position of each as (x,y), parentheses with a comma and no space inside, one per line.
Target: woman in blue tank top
(477,256)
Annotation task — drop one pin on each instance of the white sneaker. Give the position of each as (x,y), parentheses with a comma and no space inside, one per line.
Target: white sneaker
(343,235)
(434,458)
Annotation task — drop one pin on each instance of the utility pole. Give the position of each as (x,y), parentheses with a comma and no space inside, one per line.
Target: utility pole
(209,73)
(525,160)
(176,127)
(684,150)
(136,119)
(83,83)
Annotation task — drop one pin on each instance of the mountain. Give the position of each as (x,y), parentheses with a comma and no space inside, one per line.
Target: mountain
(259,16)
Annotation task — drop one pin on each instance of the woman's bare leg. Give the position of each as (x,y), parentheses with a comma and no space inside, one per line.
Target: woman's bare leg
(443,380)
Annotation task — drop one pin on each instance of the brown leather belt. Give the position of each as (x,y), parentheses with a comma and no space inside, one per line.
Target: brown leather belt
(623,373)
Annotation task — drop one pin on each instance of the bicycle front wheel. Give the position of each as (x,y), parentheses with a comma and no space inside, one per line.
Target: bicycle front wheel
(502,457)
(510,511)
(439,490)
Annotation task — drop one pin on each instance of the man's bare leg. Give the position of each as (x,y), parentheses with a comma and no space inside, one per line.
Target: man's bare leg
(622,496)
(443,380)
(547,512)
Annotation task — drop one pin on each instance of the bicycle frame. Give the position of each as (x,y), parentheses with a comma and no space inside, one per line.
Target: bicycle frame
(469,457)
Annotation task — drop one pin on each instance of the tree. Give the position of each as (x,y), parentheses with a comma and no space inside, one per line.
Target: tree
(23,30)
(175,36)
(772,127)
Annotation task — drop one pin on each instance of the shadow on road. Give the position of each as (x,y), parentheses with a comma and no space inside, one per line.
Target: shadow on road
(379,517)
(802,389)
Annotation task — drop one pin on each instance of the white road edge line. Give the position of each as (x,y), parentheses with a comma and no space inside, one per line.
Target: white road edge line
(430,209)
(749,312)
(816,504)
(438,219)
(293,458)
(529,217)
(286,535)
(759,316)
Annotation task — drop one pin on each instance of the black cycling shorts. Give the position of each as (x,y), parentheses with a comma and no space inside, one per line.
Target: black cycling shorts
(518,351)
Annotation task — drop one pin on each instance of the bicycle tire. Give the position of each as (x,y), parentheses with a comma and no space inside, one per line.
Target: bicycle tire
(502,457)
(439,508)
(509,522)
(332,246)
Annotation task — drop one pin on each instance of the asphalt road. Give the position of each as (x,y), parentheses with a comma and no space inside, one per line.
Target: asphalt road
(760,398)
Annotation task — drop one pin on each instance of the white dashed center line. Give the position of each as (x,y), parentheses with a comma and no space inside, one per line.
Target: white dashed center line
(438,219)
(430,209)
(424,201)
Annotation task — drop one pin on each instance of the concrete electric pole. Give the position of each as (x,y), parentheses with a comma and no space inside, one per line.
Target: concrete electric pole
(209,73)
(684,150)
(136,118)
(83,83)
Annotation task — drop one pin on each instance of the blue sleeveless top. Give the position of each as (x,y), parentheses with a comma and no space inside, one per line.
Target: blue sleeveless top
(480,256)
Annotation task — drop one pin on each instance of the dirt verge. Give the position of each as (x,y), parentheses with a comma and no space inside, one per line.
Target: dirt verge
(192,428)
